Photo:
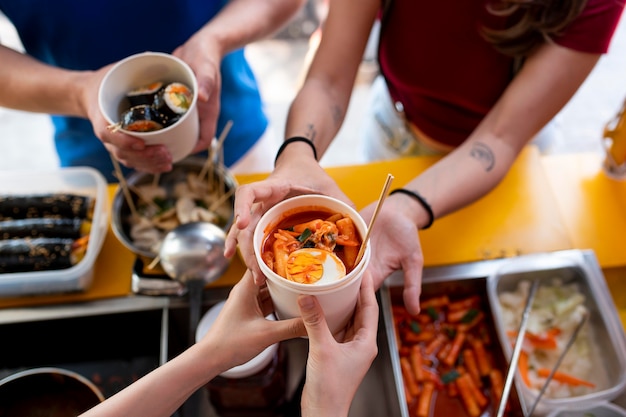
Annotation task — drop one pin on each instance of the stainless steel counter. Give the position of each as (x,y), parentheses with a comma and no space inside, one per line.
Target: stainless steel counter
(377,396)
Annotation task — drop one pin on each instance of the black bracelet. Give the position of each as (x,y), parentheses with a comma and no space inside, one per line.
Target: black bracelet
(422,201)
(292,140)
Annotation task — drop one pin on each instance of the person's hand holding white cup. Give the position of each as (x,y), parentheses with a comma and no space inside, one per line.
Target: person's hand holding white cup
(179,127)
(303,248)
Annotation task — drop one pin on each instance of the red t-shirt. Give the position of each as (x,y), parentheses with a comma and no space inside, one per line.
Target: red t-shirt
(447,76)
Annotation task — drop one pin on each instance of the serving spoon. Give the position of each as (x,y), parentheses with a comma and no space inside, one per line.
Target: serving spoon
(193,254)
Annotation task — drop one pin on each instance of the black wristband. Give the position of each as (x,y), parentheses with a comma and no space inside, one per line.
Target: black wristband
(296,139)
(422,201)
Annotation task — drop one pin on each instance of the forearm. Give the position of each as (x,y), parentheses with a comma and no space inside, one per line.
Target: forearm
(317,114)
(241,22)
(321,104)
(30,85)
(548,80)
(460,178)
(164,390)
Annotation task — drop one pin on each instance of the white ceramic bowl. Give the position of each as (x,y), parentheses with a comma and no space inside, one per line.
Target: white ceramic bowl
(337,298)
(142,69)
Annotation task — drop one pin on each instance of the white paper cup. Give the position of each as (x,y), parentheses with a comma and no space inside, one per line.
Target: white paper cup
(142,69)
(337,298)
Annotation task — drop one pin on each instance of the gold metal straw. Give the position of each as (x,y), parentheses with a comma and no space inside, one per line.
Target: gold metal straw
(381,199)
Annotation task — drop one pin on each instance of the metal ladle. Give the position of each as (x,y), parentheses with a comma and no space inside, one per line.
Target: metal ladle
(193,254)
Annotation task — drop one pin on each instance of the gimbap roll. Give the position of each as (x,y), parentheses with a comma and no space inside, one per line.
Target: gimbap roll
(46,205)
(44,227)
(143,118)
(173,101)
(144,94)
(42,254)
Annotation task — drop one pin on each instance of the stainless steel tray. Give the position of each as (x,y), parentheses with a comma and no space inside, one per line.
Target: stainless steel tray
(457,282)
(604,330)
(476,277)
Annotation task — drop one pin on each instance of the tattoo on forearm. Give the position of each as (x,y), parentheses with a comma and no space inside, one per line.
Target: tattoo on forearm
(311,132)
(483,154)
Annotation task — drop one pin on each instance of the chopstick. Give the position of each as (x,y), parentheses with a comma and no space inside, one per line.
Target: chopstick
(517,350)
(381,198)
(569,344)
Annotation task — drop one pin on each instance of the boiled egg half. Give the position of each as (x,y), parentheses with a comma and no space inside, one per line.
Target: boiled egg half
(314,266)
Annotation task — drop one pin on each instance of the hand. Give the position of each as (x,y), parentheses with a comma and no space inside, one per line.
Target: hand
(245,309)
(162,391)
(204,58)
(335,370)
(295,177)
(395,241)
(130,151)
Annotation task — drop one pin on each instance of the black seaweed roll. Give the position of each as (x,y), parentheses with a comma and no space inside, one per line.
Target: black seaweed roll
(45,206)
(144,94)
(44,227)
(29,255)
(143,118)
(173,101)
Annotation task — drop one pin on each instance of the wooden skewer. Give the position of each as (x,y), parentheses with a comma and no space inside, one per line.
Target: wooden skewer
(381,199)
(120,176)
(209,162)
(114,127)
(221,200)
(154,262)
(220,157)
(139,194)
(156,179)
(143,197)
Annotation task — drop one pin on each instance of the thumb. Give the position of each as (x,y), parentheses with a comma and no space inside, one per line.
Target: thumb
(313,317)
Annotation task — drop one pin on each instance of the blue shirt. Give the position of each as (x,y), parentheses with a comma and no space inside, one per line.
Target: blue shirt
(87,35)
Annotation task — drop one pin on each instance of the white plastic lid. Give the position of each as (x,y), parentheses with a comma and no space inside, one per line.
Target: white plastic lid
(244,370)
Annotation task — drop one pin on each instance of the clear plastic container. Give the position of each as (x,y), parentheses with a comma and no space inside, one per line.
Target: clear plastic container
(78,180)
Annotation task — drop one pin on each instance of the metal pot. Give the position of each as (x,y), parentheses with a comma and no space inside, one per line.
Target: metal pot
(121,213)
(49,392)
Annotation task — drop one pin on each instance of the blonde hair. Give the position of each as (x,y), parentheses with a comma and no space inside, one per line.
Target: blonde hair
(534,22)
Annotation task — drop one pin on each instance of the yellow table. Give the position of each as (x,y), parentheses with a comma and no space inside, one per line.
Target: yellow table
(591,204)
(593,208)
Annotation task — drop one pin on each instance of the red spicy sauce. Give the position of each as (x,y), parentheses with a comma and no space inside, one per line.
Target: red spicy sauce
(291,219)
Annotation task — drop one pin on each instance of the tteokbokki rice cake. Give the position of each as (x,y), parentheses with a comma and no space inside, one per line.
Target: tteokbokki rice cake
(312,246)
